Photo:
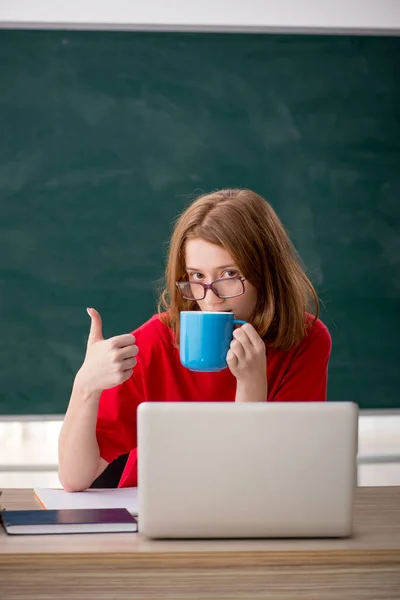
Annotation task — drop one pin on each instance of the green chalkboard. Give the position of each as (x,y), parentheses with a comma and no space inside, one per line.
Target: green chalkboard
(106,136)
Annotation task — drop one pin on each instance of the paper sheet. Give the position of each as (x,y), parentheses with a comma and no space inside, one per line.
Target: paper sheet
(91,498)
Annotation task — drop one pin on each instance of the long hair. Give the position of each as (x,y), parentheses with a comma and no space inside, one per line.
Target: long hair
(244,224)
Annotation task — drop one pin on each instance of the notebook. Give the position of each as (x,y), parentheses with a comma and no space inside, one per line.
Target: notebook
(86,520)
(92,498)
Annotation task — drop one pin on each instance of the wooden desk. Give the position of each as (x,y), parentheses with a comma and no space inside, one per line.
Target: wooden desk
(113,566)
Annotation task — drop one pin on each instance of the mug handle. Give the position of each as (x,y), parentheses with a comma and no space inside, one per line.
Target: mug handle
(238,322)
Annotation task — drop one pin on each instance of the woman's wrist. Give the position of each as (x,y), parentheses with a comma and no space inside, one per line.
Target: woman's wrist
(252,391)
(84,390)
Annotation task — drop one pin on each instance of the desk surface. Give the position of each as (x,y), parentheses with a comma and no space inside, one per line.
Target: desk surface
(366,565)
(376,537)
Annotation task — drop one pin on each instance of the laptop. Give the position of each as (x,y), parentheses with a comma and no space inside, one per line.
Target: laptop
(248,470)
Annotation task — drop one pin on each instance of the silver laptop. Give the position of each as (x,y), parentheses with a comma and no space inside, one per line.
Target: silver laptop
(227,470)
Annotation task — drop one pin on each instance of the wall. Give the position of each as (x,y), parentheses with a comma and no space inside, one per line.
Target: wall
(359,16)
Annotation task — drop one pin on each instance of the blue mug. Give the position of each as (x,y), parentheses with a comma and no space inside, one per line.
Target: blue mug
(205,338)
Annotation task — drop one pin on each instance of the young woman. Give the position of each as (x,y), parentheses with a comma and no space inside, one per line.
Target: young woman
(228,252)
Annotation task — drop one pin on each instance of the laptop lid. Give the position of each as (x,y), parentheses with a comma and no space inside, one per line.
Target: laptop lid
(224,470)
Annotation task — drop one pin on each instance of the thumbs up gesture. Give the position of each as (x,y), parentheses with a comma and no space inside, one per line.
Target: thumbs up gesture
(107,362)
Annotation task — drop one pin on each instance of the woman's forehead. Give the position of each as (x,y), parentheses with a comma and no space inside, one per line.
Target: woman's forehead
(202,255)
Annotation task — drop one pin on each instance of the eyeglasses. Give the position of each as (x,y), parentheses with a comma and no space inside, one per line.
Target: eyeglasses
(223,288)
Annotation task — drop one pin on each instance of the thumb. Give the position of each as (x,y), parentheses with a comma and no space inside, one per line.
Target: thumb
(96,329)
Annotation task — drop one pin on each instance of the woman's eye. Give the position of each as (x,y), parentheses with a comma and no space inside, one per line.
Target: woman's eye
(231,273)
(194,276)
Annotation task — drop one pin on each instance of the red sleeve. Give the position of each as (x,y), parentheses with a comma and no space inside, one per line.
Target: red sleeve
(116,418)
(307,376)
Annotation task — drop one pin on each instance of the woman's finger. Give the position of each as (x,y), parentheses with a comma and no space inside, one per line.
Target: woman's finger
(243,339)
(129,363)
(128,352)
(249,335)
(238,349)
(231,359)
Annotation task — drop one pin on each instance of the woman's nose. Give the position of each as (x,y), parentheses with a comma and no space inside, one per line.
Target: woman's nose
(211,298)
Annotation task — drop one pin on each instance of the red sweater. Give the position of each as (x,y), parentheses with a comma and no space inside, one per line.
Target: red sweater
(299,374)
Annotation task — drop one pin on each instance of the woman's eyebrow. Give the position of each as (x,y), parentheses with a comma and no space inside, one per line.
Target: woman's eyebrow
(216,268)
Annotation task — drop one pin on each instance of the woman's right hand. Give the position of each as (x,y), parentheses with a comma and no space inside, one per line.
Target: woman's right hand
(107,362)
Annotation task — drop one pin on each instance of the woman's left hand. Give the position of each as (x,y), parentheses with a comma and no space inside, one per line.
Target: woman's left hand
(246,357)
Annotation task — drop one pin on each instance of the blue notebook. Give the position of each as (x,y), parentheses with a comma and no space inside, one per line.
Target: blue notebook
(74,520)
